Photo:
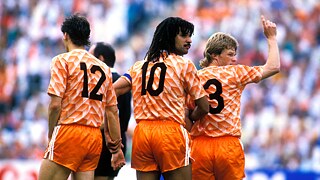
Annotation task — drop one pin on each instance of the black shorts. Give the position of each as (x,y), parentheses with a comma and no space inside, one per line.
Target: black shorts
(104,166)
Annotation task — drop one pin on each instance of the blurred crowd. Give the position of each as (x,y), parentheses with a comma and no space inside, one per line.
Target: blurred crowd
(280,116)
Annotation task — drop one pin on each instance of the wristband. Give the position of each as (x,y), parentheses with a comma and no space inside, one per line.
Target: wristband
(114,146)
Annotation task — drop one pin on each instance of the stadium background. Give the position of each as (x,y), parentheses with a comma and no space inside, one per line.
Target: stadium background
(280,116)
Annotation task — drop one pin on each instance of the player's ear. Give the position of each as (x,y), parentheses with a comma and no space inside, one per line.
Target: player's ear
(213,56)
(101,58)
(65,36)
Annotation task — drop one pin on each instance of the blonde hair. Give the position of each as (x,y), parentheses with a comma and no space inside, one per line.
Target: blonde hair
(217,42)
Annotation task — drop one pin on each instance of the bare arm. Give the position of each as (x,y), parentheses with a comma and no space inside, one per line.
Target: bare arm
(112,128)
(201,109)
(272,65)
(113,136)
(121,86)
(54,113)
(187,120)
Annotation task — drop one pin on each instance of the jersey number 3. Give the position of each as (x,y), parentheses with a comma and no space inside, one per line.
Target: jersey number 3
(216,95)
(94,93)
(149,88)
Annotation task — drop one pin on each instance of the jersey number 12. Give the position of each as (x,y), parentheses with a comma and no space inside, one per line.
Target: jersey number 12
(94,93)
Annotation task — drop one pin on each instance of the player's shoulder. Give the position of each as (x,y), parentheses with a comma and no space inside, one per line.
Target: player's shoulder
(229,69)
(234,70)
(240,68)
(60,57)
(68,55)
(180,63)
(138,64)
(179,59)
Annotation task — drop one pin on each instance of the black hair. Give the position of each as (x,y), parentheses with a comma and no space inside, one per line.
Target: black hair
(106,51)
(164,37)
(78,29)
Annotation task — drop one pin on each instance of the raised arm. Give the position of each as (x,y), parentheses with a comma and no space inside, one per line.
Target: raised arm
(272,65)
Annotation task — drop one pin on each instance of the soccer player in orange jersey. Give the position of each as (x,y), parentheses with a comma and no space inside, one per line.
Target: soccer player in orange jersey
(160,84)
(216,147)
(81,95)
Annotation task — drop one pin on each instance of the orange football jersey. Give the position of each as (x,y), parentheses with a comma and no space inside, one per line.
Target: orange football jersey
(159,89)
(224,85)
(85,85)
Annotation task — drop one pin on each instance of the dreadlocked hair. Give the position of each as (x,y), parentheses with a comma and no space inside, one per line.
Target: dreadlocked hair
(164,37)
(215,45)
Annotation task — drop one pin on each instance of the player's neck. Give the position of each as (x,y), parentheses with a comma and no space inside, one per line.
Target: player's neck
(214,63)
(73,47)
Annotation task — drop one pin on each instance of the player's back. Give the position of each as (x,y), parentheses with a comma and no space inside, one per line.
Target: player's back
(224,85)
(85,85)
(159,88)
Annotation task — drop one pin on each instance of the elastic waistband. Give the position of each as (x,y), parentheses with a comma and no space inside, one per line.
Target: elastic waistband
(217,138)
(157,122)
(79,125)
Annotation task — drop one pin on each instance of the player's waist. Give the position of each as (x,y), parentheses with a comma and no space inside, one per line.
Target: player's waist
(158,121)
(215,133)
(81,123)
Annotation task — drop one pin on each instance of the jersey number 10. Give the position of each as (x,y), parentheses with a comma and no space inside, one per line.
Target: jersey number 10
(149,88)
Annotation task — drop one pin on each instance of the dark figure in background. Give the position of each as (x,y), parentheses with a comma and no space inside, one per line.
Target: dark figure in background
(106,53)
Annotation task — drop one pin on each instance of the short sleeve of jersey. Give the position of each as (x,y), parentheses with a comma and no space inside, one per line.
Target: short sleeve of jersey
(247,74)
(58,78)
(192,82)
(132,71)
(111,97)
